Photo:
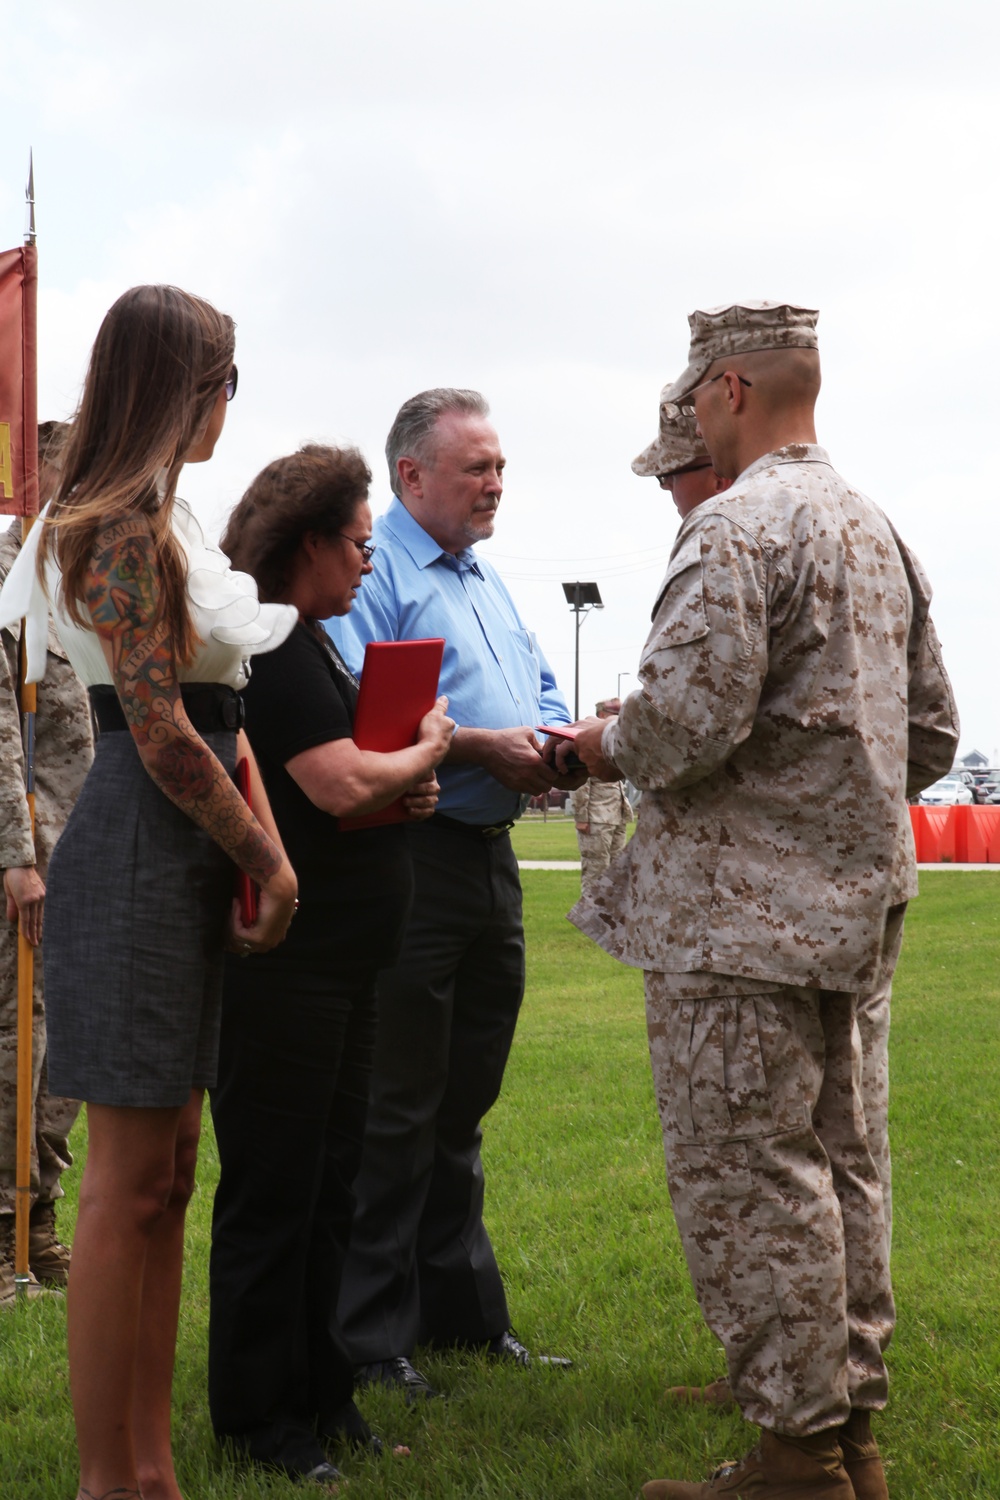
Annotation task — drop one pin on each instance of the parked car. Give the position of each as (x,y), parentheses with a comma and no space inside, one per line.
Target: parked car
(951,790)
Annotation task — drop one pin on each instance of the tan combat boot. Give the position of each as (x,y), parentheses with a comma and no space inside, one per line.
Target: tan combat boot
(8,1290)
(779,1468)
(862,1459)
(717,1395)
(47,1256)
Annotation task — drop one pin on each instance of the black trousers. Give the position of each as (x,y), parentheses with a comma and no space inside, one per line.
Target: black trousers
(420,1267)
(289,1113)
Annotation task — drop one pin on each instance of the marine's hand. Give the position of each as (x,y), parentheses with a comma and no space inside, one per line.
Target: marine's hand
(587,745)
(556,752)
(25,892)
(436,730)
(421,800)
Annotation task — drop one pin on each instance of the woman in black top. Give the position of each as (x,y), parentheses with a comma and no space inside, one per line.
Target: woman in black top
(298,1024)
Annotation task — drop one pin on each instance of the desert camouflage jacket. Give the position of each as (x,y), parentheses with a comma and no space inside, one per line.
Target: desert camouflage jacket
(64,744)
(792,695)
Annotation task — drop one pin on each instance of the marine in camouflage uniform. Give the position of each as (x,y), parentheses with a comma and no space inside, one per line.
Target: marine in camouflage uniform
(63,752)
(601,813)
(680,461)
(792,695)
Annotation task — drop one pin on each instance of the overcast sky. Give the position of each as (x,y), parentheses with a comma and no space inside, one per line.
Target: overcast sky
(529,198)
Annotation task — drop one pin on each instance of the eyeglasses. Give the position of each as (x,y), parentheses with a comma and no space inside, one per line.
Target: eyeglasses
(367,549)
(232,380)
(666,481)
(688,400)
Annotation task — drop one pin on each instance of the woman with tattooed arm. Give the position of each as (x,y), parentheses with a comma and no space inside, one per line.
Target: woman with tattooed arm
(140,886)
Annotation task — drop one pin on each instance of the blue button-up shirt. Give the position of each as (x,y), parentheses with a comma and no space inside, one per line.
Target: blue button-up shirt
(493,672)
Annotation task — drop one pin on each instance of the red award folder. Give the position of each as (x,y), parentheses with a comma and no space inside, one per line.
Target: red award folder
(399,684)
(246,889)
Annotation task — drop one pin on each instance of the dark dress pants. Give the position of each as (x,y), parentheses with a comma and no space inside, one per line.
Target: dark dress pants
(420,1267)
(289,1112)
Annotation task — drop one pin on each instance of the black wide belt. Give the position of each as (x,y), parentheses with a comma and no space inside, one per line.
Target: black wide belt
(472,830)
(210,706)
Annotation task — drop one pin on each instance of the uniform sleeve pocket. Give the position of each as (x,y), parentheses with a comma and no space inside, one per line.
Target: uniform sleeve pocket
(680,616)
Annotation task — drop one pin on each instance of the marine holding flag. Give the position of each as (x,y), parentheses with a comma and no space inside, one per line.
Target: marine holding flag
(63,753)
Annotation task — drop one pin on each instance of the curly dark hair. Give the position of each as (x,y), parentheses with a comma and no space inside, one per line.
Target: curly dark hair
(315,491)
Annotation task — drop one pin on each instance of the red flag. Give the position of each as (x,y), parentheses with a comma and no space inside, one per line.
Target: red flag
(18,382)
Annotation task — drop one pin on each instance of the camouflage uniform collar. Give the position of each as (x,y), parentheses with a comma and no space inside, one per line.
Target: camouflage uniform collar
(792,453)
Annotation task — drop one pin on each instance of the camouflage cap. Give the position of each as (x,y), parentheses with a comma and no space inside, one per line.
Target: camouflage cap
(742,328)
(677,444)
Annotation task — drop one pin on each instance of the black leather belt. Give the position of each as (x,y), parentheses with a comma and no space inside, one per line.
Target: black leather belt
(209,705)
(473,830)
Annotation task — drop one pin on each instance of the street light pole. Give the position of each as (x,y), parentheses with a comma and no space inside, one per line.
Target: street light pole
(581,598)
(620,676)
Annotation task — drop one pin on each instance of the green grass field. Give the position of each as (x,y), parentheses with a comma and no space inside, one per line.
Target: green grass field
(578,1209)
(553,838)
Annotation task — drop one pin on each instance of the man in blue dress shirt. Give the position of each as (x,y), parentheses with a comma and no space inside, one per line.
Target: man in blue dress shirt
(421,1268)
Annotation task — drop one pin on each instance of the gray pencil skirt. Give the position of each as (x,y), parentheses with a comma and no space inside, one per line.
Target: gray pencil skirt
(135,913)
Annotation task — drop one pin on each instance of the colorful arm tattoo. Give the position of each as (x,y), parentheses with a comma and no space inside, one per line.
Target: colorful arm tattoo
(121,591)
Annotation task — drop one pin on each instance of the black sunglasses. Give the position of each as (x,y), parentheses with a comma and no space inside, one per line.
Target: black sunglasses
(232,380)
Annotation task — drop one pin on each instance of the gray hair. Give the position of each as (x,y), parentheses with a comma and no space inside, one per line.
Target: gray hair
(410,434)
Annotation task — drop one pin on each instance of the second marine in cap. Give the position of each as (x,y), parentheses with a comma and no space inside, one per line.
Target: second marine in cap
(678,459)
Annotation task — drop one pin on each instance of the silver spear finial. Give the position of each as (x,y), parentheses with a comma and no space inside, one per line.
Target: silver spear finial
(29,198)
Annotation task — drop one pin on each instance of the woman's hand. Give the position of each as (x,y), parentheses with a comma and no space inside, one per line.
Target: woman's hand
(436,730)
(276,905)
(347,782)
(434,735)
(421,800)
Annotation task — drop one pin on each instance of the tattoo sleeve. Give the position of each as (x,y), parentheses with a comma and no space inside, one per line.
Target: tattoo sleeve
(122,588)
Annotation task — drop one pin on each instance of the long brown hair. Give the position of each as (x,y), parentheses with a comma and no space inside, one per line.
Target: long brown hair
(160,358)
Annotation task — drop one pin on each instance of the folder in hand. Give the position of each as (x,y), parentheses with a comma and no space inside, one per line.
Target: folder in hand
(399,685)
(247,890)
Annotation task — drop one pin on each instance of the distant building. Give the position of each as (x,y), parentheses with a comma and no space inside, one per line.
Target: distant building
(974,761)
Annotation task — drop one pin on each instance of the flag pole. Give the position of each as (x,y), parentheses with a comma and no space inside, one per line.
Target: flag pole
(28,697)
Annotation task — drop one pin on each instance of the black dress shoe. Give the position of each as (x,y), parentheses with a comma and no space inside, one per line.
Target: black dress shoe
(288,1447)
(508,1349)
(348,1427)
(323,1473)
(399,1375)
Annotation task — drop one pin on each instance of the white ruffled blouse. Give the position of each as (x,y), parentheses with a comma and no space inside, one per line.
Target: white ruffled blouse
(231,623)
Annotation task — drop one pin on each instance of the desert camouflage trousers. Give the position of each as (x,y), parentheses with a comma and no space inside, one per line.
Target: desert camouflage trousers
(873,1025)
(53,1117)
(598,848)
(776,1194)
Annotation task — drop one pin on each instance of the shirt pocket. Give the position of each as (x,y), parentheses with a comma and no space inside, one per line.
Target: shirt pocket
(525,659)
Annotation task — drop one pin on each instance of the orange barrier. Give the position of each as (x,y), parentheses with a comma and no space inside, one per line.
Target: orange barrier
(956,835)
